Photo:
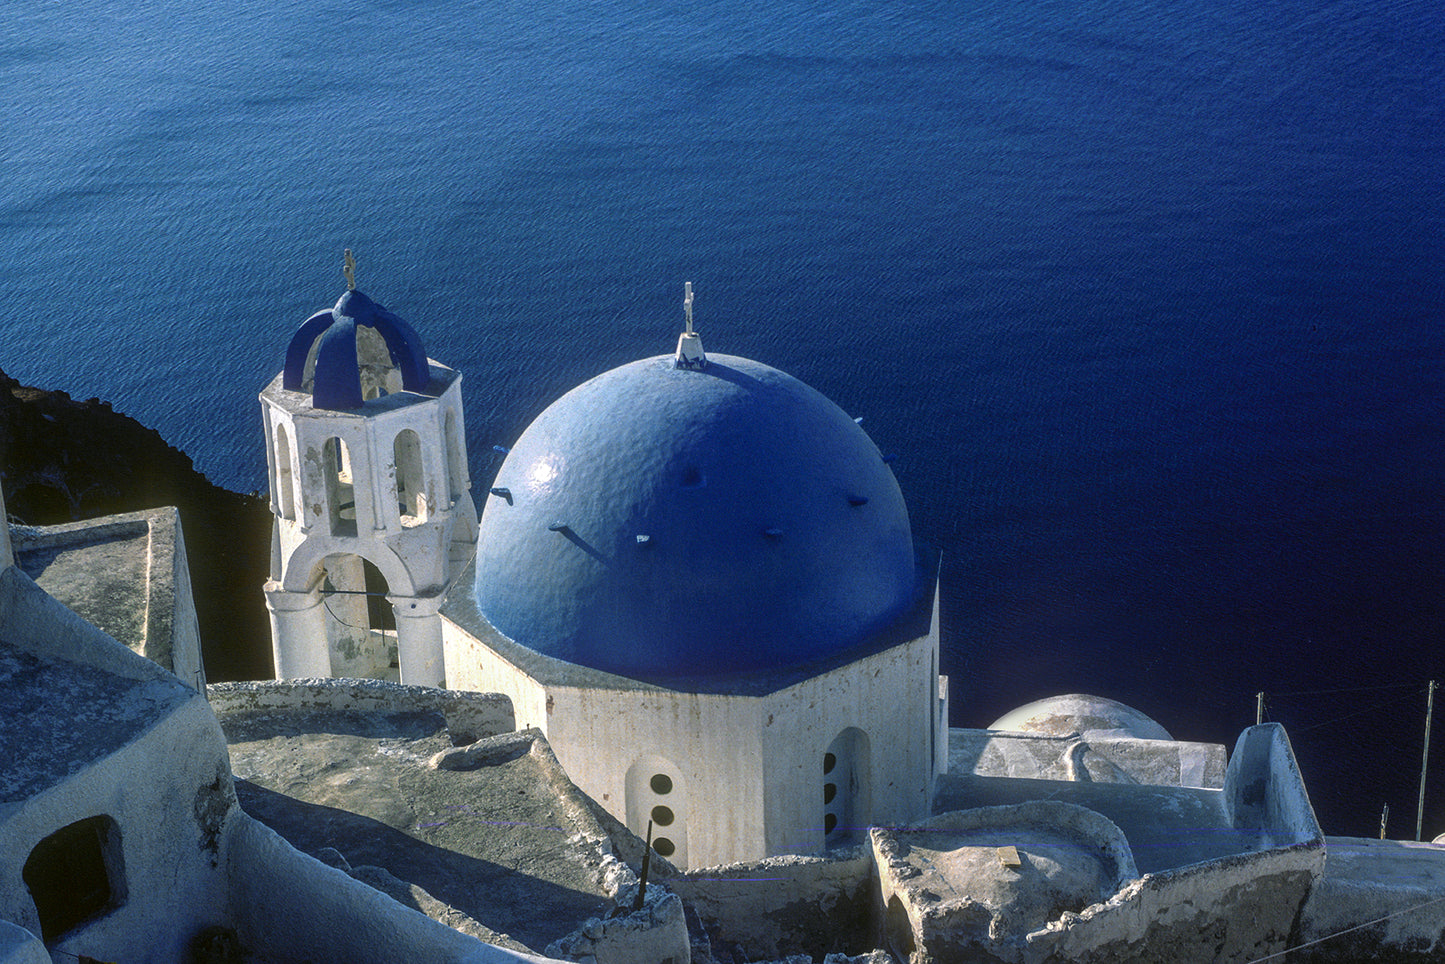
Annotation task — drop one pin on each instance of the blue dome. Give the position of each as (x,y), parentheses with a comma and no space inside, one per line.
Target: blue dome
(353,352)
(657,523)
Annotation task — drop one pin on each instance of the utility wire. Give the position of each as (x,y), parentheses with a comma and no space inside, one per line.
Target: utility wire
(1348,716)
(1328,937)
(1349,689)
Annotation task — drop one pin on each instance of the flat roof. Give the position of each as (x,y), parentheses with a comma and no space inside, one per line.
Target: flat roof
(1166,826)
(61,716)
(501,842)
(116,573)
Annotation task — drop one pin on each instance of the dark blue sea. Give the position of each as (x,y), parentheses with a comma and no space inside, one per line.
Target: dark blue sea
(1146,296)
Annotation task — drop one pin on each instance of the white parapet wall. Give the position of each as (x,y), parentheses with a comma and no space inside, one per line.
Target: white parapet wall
(116,773)
(1099,759)
(1236,909)
(1264,791)
(469,716)
(127,575)
(656,933)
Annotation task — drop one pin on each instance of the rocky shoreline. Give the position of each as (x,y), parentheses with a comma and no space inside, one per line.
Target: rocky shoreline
(64,460)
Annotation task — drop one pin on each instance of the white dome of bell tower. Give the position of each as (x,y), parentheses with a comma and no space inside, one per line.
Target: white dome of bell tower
(374,518)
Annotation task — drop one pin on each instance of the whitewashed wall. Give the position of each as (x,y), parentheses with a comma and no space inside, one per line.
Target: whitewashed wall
(167,792)
(748,778)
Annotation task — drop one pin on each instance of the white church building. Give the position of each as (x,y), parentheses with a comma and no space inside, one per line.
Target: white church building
(693,573)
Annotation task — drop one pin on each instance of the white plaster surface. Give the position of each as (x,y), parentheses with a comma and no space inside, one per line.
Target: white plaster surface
(1394,888)
(1097,759)
(1081,714)
(654,934)
(1225,871)
(958,892)
(166,786)
(770,746)
(1264,791)
(783,905)
(493,829)
(147,752)
(19,946)
(127,575)
(7,556)
(419,553)
(1235,910)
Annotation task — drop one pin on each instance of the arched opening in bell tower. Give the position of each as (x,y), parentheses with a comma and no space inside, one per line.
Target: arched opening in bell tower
(285,486)
(360,623)
(411,494)
(377,370)
(340,487)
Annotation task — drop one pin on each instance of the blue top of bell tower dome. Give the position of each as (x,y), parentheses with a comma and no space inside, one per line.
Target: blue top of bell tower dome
(353,352)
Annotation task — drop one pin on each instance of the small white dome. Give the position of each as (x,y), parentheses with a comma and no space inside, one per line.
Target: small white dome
(1079,713)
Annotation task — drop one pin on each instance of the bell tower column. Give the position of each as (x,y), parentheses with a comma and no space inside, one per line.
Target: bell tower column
(298,622)
(419,647)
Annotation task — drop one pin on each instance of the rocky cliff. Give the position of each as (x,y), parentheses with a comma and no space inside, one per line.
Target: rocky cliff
(64,460)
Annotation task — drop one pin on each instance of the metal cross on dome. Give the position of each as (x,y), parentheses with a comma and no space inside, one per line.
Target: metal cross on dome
(687,303)
(350,271)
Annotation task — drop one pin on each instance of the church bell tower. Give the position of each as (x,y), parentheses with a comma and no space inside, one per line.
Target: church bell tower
(374,518)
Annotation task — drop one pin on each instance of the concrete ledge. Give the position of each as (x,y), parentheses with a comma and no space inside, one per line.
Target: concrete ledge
(469,716)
